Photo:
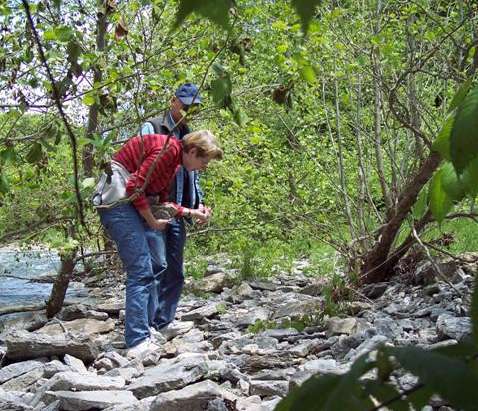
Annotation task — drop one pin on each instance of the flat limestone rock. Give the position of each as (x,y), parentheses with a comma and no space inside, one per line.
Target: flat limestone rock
(75,364)
(194,397)
(17,369)
(22,382)
(87,400)
(82,326)
(23,345)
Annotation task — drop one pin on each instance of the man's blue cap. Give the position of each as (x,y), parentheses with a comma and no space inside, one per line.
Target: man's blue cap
(187,92)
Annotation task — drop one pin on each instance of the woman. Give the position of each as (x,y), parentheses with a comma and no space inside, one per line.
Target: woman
(137,232)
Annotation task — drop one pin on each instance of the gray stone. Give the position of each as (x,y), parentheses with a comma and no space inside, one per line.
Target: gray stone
(112,307)
(10,401)
(84,382)
(263,285)
(22,345)
(22,382)
(214,283)
(453,327)
(55,366)
(15,370)
(336,326)
(72,312)
(247,317)
(207,311)
(82,326)
(87,400)
(176,328)
(280,333)
(375,290)
(323,366)
(266,388)
(192,398)
(170,375)
(298,309)
(75,364)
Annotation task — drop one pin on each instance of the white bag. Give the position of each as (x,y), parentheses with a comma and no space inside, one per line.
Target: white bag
(111,190)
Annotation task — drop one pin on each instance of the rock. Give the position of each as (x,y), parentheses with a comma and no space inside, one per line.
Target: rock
(214,283)
(112,307)
(72,312)
(23,345)
(246,317)
(53,367)
(15,370)
(87,400)
(263,285)
(453,327)
(266,388)
(336,326)
(192,398)
(375,290)
(82,326)
(12,402)
(83,382)
(280,333)
(24,381)
(297,310)
(207,311)
(241,292)
(75,364)
(315,288)
(170,375)
(323,366)
(29,321)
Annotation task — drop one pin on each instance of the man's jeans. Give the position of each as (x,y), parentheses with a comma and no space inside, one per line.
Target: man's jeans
(142,252)
(172,279)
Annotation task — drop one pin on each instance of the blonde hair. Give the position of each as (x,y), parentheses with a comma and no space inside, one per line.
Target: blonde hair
(205,143)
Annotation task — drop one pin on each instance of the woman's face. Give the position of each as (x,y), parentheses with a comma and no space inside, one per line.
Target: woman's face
(193,162)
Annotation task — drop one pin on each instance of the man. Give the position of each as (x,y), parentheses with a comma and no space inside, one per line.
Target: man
(185,191)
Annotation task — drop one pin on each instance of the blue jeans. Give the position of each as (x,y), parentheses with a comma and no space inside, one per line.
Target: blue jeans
(142,251)
(172,278)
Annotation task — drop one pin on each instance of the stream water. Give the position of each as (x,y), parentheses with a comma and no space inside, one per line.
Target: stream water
(17,268)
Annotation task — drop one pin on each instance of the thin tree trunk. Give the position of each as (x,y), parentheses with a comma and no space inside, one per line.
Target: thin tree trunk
(377,123)
(92,126)
(58,292)
(376,259)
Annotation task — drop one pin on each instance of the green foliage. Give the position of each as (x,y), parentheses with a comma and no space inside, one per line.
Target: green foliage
(215,10)
(464,134)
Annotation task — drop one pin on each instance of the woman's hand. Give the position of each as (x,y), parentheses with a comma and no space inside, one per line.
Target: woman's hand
(200,216)
(159,224)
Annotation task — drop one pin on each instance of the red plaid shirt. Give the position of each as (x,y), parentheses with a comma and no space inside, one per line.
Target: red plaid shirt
(133,152)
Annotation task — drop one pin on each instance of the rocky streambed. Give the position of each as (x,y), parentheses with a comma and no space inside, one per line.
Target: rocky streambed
(235,345)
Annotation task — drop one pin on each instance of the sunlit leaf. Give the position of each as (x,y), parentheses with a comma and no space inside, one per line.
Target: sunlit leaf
(308,74)
(35,153)
(88,182)
(464,133)
(452,185)
(4,185)
(215,10)
(306,11)
(460,94)
(421,204)
(89,99)
(442,142)
(221,88)
(440,203)
(469,178)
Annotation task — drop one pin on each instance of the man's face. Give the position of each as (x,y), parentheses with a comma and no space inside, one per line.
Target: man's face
(179,110)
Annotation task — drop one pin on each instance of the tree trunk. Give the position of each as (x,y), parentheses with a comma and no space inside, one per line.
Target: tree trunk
(58,292)
(375,261)
(88,157)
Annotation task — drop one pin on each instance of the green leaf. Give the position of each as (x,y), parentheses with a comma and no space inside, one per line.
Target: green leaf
(8,154)
(4,185)
(451,378)
(384,393)
(306,11)
(221,88)
(240,116)
(89,99)
(460,94)
(88,182)
(464,134)
(442,142)
(440,203)
(59,33)
(215,10)
(469,178)
(308,74)
(35,153)
(421,204)
(331,392)
(451,184)
(315,391)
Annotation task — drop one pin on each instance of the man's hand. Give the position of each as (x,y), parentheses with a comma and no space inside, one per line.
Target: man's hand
(206,211)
